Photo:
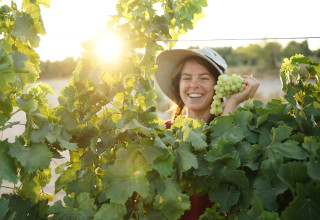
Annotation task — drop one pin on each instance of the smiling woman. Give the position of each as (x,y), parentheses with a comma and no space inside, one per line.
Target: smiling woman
(108,47)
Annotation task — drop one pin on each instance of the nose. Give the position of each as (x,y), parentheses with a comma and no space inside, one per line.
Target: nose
(194,83)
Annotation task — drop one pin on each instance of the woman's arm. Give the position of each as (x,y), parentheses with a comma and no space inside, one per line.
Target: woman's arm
(235,99)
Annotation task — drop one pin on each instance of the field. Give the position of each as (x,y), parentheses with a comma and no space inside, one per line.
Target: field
(270,88)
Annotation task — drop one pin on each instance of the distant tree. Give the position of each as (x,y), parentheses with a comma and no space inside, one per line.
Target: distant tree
(272,55)
(317,53)
(294,47)
(57,69)
(250,54)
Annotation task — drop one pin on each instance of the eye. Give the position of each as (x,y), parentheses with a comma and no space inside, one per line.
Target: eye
(185,78)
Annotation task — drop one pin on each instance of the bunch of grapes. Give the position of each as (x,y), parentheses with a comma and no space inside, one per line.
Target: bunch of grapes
(226,86)
(44,177)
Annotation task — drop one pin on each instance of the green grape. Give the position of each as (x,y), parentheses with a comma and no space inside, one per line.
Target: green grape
(248,104)
(44,177)
(226,86)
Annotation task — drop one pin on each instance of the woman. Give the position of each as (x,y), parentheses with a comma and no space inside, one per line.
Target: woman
(188,78)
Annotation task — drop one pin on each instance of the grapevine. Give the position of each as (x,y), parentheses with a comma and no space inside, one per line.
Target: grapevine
(226,86)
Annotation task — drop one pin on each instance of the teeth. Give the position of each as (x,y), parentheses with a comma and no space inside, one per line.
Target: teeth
(195,95)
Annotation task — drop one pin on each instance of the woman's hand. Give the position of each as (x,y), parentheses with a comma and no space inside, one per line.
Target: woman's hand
(235,99)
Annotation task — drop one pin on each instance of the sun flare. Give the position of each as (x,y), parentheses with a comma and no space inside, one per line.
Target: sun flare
(108,47)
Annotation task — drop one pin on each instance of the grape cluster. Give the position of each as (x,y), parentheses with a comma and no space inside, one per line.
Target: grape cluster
(226,86)
(44,177)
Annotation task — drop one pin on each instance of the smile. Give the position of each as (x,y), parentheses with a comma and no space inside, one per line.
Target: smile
(195,95)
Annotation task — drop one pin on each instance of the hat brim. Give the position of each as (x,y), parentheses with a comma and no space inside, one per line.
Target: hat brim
(168,61)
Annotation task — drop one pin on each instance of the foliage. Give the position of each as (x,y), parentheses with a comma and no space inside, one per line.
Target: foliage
(124,163)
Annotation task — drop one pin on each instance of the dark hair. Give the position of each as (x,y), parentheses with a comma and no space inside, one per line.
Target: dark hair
(175,88)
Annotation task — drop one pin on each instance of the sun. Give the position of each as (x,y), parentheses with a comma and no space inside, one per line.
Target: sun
(108,47)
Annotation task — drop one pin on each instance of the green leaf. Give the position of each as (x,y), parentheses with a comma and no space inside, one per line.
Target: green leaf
(24,29)
(147,148)
(289,149)
(226,196)
(272,187)
(20,207)
(86,135)
(7,165)
(223,165)
(4,207)
(81,207)
(125,176)
(7,75)
(292,173)
(280,133)
(38,156)
(159,143)
(63,137)
(111,211)
(313,147)
(170,200)
(68,120)
(85,182)
(19,60)
(164,164)
(185,159)
(134,125)
(313,169)
(169,138)
(40,135)
(28,105)
(225,128)
(196,138)
(66,176)
(301,207)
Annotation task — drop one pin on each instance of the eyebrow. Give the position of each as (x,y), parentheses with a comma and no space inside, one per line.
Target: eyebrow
(201,74)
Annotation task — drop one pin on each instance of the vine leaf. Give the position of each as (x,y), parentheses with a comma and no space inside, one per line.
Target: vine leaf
(134,125)
(66,176)
(301,207)
(289,149)
(84,183)
(7,166)
(274,187)
(24,29)
(111,211)
(125,176)
(4,207)
(164,164)
(313,147)
(7,75)
(170,200)
(185,159)
(38,156)
(292,173)
(81,207)
(195,137)
(280,133)
(226,196)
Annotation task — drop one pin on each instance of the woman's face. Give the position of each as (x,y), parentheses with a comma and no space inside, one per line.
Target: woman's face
(196,87)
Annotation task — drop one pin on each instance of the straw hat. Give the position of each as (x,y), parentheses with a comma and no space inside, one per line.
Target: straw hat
(168,61)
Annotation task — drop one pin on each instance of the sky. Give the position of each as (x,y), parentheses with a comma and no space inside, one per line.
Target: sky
(69,22)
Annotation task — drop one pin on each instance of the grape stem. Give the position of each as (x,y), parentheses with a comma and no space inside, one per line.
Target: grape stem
(9,187)
(56,163)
